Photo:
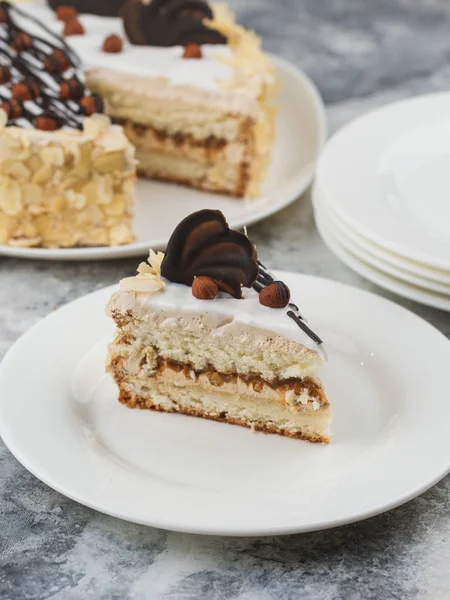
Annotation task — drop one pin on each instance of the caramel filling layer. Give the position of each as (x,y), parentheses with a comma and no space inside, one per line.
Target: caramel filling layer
(291,385)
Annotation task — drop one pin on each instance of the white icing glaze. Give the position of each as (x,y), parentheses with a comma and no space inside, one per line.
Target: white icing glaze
(148,61)
(177,298)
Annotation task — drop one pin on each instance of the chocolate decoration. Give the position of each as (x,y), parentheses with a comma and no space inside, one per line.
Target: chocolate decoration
(5,75)
(103,8)
(203,245)
(169,23)
(301,323)
(33,67)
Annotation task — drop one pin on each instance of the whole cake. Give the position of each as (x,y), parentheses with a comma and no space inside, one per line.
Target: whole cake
(66,174)
(192,89)
(206,331)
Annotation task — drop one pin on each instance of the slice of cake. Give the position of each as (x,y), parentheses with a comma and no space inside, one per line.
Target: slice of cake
(66,174)
(206,331)
(193,89)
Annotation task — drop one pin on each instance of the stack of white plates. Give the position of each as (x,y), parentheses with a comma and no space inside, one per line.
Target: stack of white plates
(382,198)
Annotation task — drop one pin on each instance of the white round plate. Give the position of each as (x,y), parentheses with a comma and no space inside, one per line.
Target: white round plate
(378,252)
(64,423)
(340,234)
(386,175)
(377,276)
(300,135)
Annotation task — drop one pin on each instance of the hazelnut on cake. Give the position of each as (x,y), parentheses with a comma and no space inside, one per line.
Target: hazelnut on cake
(205,330)
(193,90)
(66,174)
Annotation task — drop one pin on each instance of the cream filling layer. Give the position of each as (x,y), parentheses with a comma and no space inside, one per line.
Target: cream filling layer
(297,395)
(229,406)
(209,150)
(178,169)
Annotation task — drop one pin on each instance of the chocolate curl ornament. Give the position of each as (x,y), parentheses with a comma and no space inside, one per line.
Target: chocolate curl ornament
(169,23)
(203,245)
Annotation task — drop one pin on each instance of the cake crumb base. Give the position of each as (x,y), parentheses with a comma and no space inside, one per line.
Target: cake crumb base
(134,401)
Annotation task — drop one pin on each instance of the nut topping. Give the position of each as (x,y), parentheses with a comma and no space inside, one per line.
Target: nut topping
(21,41)
(66,13)
(73,27)
(13,108)
(5,75)
(204,288)
(92,104)
(57,61)
(71,89)
(113,44)
(275,295)
(192,50)
(47,122)
(26,90)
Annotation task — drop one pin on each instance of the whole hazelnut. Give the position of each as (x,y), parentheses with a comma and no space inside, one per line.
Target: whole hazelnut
(73,27)
(66,13)
(26,90)
(92,104)
(57,61)
(275,295)
(21,41)
(204,288)
(13,108)
(192,51)
(112,44)
(47,122)
(71,89)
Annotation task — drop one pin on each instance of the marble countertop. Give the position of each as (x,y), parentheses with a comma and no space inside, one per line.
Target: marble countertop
(361,55)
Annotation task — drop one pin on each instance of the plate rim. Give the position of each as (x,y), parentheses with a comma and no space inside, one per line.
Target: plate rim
(374,261)
(411,266)
(379,278)
(353,223)
(267,530)
(290,191)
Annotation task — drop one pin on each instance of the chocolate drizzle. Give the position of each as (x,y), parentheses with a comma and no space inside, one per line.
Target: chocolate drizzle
(204,245)
(40,67)
(103,8)
(264,279)
(169,23)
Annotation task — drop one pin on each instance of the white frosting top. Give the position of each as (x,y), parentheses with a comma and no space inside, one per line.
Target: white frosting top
(152,61)
(178,298)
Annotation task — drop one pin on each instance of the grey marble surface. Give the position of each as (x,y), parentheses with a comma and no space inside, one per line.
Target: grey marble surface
(361,54)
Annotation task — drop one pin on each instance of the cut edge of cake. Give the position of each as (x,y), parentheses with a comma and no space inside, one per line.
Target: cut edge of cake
(215,367)
(215,140)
